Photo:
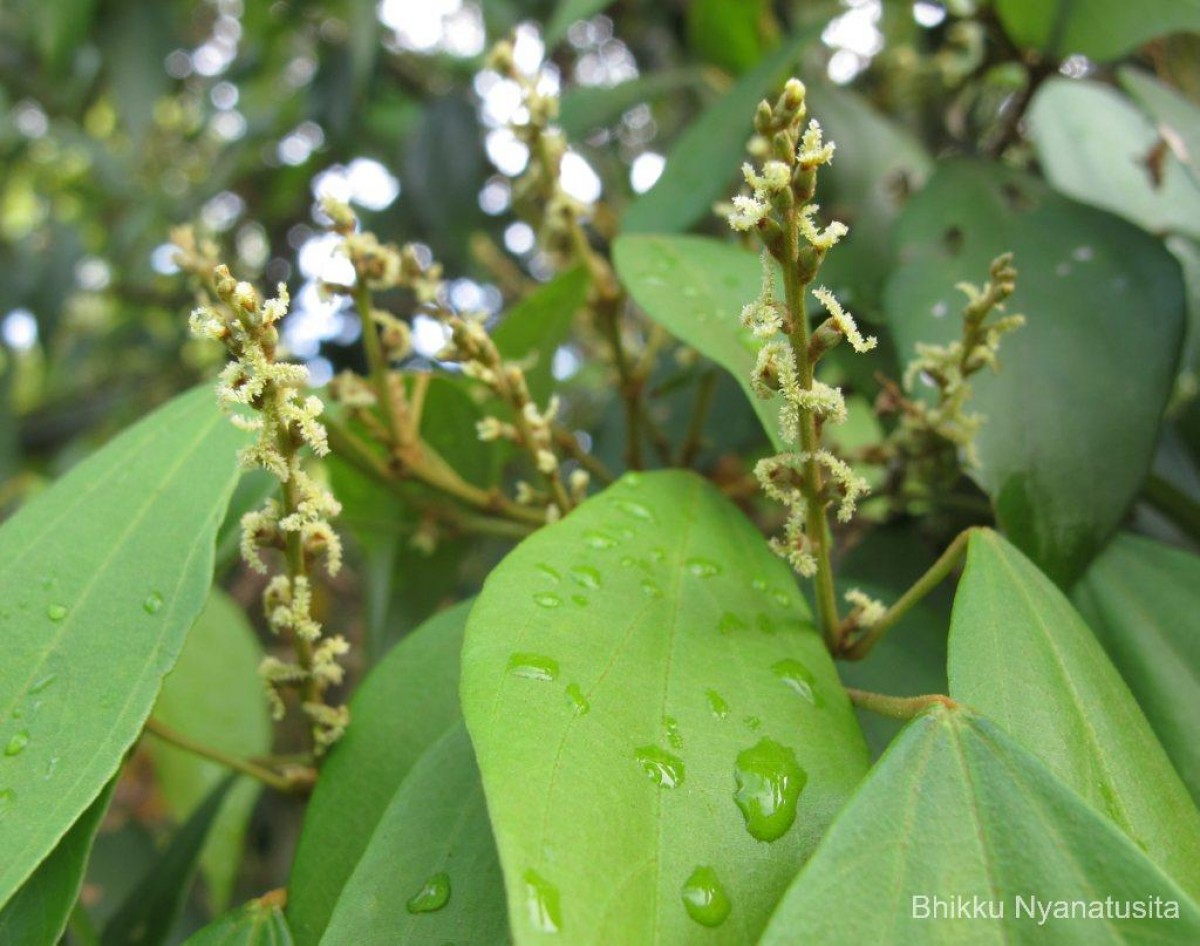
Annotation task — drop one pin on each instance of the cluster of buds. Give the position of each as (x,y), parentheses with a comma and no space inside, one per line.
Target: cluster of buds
(948,367)
(266,396)
(538,195)
(779,210)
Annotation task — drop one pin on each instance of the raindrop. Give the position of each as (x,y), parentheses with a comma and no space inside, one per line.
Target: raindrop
(533,667)
(797,678)
(43,683)
(598,540)
(769,781)
(765,623)
(704,898)
(549,572)
(56,612)
(730,622)
(939,309)
(434,895)
(671,725)
(17,743)
(632,479)
(547,599)
(1083,254)
(753,723)
(717,704)
(541,903)
(702,567)
(153,604)
(781,598)
(637,510)
(661,767)
(580,600)
(650,589)
(51,765)
(759,584)
(586,577)
(577,700)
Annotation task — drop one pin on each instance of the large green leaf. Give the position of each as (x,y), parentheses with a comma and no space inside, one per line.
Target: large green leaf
(103,575)
(148,913)
(409,700)
(38,912)
(1093,144)
(1021,655)
(1142,600)
(1083,384)
(1099,29)
(430,874)
(233,717)
(695,287)
(636,677)
(956,809)
(259,923)
(704,160)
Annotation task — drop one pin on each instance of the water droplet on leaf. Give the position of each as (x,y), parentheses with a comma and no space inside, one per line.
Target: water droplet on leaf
(637,510)
(598,540)
(577,700)
(56,612)
(704,898)
(797,678)
(43,683)
(580,600)
(17,743)
(547,599)
(769,781)
(586,577)
(730,622)
(549,572)
(153,603)
(541,903)
(674,737)
(533,667)
(434,895)
(703,567)
(661,767)
(717,704)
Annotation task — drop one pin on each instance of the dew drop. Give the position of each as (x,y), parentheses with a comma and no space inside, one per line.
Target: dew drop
(547,599)
(17,743)
(586,577)
(533,667)
(580,600)
(153,604)
(8,798)
(1082,254)
(650,589)
(769,781)
(717,704)
(781,598)
(51,765)
(634,509)
(549,572)
(433,895)
(661,767)
(598,540)
(541,903)
(730,622)
(43,683)
(797,678)
(704,898)
(56,612)
(576,699)
(753,723)
(759,584)
(703,567)
(632,479)
(674,737)
(940,309)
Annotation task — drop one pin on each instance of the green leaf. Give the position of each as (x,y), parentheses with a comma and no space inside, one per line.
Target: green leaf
(150,910)
(584,108)
(1171,111)
(632,677)
(1093,145)
(567,13)
(957,809)
(232,716)
(1021,655)
(539,323)
(695,287)
(430,873)
(409,700)
(728,33)
(1099,29)
(704,160)
(38,912)
(1065,399)
(1141,598)
(258,923)
(103,575)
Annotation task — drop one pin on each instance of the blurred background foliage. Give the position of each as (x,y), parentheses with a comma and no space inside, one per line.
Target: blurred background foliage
(122,119)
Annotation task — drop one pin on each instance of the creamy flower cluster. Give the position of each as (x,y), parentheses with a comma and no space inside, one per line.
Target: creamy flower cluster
(266,396)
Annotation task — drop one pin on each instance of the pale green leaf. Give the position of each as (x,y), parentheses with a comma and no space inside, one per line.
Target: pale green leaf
(957,809)
(406,704)
(625,671)
(103,575)
(1021,655)
(1142,599)
(1066,403)
(1099,29)
(430,874)
(214,696)
(1175,115)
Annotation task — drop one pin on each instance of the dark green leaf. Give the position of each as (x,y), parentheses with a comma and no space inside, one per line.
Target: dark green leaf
(103,575)
(1020,654)
(258,923)
(1099,29)
(727,33)
(957,809)
(1142,599)
(404,706)
(38,912)
(1070,422)
(430,874)
(632,676)
(146,916)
